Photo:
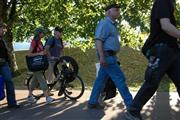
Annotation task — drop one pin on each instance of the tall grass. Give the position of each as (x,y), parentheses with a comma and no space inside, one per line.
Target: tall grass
(133,64)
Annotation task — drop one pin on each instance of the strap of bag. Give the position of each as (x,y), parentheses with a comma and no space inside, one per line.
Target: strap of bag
(53,42)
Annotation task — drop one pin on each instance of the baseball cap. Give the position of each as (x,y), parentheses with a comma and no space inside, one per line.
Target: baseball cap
(114,5)
(39,30)
(57,28)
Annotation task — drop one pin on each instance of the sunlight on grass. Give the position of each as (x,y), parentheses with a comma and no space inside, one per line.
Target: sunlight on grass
(133,63)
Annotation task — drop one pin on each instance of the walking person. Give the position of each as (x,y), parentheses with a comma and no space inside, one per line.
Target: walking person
(54,47)
(107,45)
(163,55)
(36,48)
(5,70)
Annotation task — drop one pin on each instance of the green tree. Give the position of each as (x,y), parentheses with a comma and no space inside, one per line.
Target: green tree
(8,14)
(77,17)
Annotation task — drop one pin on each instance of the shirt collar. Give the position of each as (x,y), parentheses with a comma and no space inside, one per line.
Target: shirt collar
(110,20)
(57,38)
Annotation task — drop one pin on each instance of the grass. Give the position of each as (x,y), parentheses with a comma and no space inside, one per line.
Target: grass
(133,63)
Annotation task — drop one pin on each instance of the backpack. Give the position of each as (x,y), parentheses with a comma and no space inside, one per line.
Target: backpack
(110,89)
(146,47)
(150,42)
(2,93)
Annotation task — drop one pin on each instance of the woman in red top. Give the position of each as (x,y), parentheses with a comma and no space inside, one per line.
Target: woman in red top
(36,48)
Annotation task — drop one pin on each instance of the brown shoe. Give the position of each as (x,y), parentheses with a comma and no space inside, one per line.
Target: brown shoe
(95,106)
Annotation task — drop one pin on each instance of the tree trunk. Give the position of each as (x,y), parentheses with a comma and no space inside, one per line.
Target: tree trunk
(7,15)
(9,42)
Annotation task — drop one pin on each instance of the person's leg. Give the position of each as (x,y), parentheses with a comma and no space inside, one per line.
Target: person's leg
(100,80)
(158,65)
(173,73)
(118,78)
(50,76)
(6,73)
(43,85)
(33,85)
(42,82)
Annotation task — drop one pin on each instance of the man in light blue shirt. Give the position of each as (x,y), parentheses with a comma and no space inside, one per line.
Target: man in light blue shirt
(107,45)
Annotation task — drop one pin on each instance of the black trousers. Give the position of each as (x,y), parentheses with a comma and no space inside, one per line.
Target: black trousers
(163,60)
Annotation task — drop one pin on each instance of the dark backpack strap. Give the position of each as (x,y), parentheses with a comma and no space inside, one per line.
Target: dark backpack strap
(61,43)
(53,42)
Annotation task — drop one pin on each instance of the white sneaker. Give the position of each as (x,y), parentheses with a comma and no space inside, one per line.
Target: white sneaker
(31,99)
(49,100)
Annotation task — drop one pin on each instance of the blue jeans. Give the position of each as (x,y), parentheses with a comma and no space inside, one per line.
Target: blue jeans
(113,70)
(6,73)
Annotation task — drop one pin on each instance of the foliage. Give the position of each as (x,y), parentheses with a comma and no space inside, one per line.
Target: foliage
(130,37)
(136,13)
(77,17)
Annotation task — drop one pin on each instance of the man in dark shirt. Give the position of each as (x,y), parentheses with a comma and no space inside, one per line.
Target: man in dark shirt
(164,57)
(5,71)
(54,46)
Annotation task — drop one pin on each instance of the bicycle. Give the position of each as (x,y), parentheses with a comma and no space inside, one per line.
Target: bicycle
(66,73)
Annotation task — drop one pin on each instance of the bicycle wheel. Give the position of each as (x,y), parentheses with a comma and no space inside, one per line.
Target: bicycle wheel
(74,89)
(66,62)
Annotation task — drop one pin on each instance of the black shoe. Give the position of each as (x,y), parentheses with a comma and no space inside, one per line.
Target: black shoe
(129,116)
(60,92)
(14,106)
(50,94)
(95,106)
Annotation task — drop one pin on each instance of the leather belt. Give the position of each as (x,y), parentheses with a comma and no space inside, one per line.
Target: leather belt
(109,53)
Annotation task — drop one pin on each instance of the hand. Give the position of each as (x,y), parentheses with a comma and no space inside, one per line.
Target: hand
(53,58)
(41,53)
(103,62)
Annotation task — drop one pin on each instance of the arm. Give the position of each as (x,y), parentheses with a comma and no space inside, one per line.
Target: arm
(34,54)
(169,28)
(47,47)
(99,47)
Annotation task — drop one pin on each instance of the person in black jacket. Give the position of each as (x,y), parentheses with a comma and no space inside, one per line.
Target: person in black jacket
(164,55)
(5,70)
